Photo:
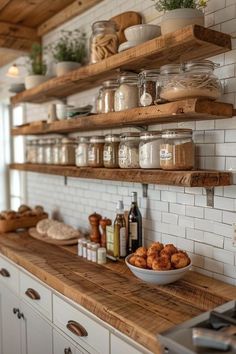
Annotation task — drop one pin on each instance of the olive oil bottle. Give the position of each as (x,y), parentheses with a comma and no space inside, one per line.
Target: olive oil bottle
(134,226)
(120,242)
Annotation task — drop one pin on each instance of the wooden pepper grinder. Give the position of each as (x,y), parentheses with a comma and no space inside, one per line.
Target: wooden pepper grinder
(104,223)
(95,235)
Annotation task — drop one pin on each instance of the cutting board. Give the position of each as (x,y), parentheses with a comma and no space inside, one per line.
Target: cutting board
(34,233)
(124,20)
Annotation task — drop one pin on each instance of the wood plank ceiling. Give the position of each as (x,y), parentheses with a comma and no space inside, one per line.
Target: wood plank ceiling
(23,22)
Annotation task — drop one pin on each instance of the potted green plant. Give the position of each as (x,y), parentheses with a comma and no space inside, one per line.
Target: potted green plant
(69,52)
(36,67)
(180,13)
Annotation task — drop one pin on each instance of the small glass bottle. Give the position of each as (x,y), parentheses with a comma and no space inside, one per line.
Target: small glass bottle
(95,151)
(82,152)
(101,255)
(111,151)
(84,243)
(120,246)
(94,249)
(108,95)
(89,248)
(80,247)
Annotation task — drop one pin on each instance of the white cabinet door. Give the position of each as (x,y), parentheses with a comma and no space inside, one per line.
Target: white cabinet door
(62,345)
(37,332)
(118,346)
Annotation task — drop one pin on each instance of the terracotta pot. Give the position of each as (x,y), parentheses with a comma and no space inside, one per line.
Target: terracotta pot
(64,67)
(34,80)
(179,18)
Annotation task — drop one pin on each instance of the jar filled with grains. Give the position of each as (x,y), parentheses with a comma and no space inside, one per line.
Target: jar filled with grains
(40,155)
(98,103)
(110,152)
(49,151)
(68,151)
(108,95)
(29,147)
(177,150)
(127,94)
(56,152)
(129,150)
(82,151)
(149,87)
(34,151)
(149,149)
(95,151)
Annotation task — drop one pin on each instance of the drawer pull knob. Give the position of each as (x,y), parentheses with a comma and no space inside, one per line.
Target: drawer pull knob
(4,273)
(32,294)
(20,315)
(15,310)
(77,329)
(67,351)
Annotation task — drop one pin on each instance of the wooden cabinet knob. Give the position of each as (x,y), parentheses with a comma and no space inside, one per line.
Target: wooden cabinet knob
(4,273)
(77,329)
(32,294)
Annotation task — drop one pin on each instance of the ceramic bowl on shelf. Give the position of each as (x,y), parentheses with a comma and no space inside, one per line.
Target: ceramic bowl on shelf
(127,45)
(159,277)
(142,33)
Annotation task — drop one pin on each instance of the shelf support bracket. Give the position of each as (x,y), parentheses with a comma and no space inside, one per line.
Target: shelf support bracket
(65,180)
(145,190)
(210,192)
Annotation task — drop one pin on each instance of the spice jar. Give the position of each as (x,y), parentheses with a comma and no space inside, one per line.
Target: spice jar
(149,87)
(80,246)
(40,150)
(101,255)
(104,41)
(127,94)
(110,151)
(94,249)
(98,102)
(84,243)
(193,79)
(56,152)
(67,151)
(95,151)
(149,149)
(48,151)
(129,150)
(108,95)
(89,249)
(82,152)
(177,150)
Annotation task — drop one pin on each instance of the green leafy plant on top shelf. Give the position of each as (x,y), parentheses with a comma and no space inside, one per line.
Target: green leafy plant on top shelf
(35,63)
(168,5)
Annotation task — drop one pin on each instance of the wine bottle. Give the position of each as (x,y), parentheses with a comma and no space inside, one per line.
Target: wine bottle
(120,231)
(134,226)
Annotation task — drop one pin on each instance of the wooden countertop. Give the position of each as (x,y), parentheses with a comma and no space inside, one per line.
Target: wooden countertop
(112,293)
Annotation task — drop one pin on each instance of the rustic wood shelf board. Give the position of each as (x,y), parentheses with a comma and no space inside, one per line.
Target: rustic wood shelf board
(191,42)
(199,178)
(181,111)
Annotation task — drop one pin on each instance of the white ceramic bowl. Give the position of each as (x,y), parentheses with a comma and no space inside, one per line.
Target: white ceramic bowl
(160,277)
(142,33)
(127,45)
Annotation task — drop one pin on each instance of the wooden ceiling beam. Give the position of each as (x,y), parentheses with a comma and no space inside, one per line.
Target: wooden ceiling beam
(71,11)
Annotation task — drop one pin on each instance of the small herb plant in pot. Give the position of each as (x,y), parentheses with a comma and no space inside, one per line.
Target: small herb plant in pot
(69,52)
(180,13)
(36,67)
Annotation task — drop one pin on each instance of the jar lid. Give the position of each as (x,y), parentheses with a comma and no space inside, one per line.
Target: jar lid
(83,139)
(170,69)
(100,25)
(110,83)
(150,73)
(80,240)
(129,136)
(199,64)
(112,138)
(97,139)
(177,133)
(128,77)
(102,249)
(150,135)
(84,242)
(95,246)
(68,141)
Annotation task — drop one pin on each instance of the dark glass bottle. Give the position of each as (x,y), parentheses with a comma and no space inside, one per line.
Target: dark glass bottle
(134,226)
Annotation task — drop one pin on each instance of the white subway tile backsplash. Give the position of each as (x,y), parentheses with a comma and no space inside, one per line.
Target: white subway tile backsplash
(213,214)
(213,239)
(196,212)
(195,235)
(214,266)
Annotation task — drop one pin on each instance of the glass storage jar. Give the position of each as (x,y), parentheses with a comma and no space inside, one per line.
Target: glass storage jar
(99,102)
(56,152)
(129,150)
(108,95)
(177,150)
(95,151)
(127,94)
(192,79)
(48,151)
(149,149)
(29,146)
(68,151)
(82,152)
(104,41)
(149,87)
(34,150)
(40,151)
(110,151)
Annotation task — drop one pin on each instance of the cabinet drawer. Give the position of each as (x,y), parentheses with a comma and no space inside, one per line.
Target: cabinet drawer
(119,346)
(36,294)
(90,334)
(9,275)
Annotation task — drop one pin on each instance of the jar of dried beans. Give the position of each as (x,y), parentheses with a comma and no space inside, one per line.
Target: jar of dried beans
(108,95)
(177,151)
(129,150)
(127,94)
(110,152)
(95,151)
(149,87)
(149,149)
(104,41)
(68,151)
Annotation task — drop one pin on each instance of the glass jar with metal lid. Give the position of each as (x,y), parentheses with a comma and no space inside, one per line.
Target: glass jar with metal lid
(149,149)
(194,79)
(177,150)
(40,151)
(149,87)
(127,94)
(104,41)
(48,151)
(111,150)
(56,151)
(129,150)
(82,152)
(95,151)
(108,95)
(68,151)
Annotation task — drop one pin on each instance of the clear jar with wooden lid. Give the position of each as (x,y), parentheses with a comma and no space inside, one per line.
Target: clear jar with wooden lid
(129,150)
(68,147)
(177,151)
(127,94)
(149,149)
(108,95)
(56,151)
(111,151)
(95,151)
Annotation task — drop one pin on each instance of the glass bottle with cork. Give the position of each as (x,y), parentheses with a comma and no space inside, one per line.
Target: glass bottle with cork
(134,225)
(120,230)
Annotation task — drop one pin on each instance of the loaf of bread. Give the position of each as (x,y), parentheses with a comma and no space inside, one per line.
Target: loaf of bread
(43,226)
(61,231)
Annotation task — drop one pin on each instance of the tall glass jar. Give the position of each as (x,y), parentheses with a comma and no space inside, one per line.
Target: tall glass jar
(111,150)
(149,149)
(82,152)
(99,102)
(95,151)
(28,156)
(129,150)
(48,151)
(34,150)
(193,79)
(56,152)
(104,41)
(68,151)
(41,154)
(108,95)
(177,151)
(149,87)
(127,94)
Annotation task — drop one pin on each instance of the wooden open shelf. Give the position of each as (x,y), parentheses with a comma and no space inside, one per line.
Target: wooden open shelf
(181,111)
(191,42)
(199,178)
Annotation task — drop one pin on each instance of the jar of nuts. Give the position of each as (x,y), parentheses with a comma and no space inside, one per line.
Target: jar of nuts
(104,41)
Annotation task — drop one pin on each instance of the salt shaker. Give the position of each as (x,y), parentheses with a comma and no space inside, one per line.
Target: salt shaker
(102,255)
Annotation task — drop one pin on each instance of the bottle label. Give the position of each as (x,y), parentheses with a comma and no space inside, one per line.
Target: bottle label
(146,99)
(91,155)
(165,155)
(110,240)
(107,155)
(133,231)
(122,242)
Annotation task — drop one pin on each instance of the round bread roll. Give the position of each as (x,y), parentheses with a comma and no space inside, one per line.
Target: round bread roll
(132,260)
(43,226)
(156,247)
(140,262)
(61,231)
(38,210)
(180,260)
(169,249)
(150,259)
(23,208)
(161,263)
(141,252)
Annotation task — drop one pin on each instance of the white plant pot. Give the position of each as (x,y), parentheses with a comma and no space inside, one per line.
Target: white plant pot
(34,80)
(175,19)
(64,67)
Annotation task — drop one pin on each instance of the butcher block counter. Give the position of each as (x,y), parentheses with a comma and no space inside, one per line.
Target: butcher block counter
(112,293)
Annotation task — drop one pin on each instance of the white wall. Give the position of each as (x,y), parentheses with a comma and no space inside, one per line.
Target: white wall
(171,214)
